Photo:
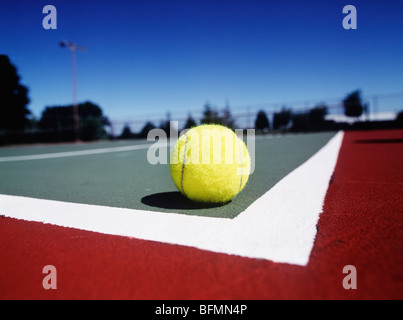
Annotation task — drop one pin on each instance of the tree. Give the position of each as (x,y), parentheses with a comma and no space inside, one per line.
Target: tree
(300,122)
(210,115)
(399,119)
(92,121)
(312,120)
(227,119)
(190,122)
(317,116)
(13,98)
(165,124)
(57,123)
(262,122)
(126,133)
(282,119)
(146,129)
(353,106)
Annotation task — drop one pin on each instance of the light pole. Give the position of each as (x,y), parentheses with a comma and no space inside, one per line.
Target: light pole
(73,47)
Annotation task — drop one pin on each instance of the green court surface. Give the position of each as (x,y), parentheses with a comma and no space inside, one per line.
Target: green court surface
(126,179)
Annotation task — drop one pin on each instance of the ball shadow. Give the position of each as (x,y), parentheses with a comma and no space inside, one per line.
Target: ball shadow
(175,200)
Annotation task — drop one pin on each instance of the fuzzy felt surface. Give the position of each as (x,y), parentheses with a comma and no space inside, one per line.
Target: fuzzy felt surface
(210,164)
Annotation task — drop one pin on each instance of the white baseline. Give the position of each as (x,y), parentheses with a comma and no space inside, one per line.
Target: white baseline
(279,226)
(80,152)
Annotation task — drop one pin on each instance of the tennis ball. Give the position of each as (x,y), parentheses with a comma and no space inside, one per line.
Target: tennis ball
(209,163)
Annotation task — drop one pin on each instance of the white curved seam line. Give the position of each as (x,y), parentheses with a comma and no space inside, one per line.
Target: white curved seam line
(183,165)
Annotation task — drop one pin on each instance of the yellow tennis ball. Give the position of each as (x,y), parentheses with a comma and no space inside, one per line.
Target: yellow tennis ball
(209,163)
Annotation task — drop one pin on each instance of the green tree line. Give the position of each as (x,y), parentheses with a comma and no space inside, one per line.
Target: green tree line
(56,124)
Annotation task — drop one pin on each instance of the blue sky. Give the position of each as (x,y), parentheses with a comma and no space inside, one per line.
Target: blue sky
(150,57)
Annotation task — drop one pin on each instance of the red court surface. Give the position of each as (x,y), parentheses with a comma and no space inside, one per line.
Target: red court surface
(361,225)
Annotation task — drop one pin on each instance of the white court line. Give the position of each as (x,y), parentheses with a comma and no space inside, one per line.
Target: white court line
(53,155)
(279,226)
(82,152)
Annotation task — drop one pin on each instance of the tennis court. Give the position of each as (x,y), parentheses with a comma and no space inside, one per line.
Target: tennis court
(119,178)
(114,226)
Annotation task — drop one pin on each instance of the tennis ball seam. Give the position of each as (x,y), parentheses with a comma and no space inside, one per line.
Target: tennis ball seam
(240,162)
(183,165)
